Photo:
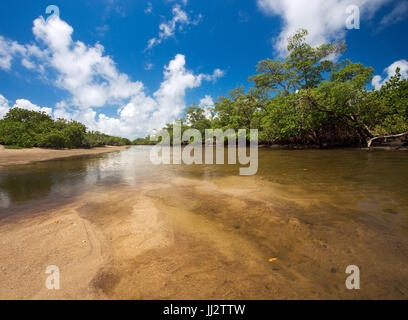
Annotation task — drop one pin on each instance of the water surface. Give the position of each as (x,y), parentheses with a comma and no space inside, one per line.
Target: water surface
(316,211)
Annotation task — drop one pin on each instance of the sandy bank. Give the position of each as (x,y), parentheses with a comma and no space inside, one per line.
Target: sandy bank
(130,245)
(211,241)
(24,156)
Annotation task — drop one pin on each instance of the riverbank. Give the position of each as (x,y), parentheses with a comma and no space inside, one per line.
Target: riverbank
(25,156)
(316,147)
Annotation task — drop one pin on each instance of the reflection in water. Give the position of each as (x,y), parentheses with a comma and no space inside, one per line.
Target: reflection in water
(27,186)
(64,178)
(203,231)
(350,175)
(4,200)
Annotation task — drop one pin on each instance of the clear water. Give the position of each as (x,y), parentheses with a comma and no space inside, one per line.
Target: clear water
(317,211)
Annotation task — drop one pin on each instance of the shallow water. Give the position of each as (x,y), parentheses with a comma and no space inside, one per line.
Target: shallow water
(316,211)
(346,176)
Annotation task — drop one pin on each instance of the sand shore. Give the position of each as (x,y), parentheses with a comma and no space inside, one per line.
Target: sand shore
(211,241)
(138,231)
(24,156)
(128,244)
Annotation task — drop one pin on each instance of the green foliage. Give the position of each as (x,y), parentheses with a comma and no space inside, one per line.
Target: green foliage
(143,141)
(389,107)
(27,129)
(196,118)
(304,99)
(303,68)
(53,139)
(23,127)
(96,139)
(308,99)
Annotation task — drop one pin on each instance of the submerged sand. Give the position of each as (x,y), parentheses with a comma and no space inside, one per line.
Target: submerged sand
(189,239)
(24,156)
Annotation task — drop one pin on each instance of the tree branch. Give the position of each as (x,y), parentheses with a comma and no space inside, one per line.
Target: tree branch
(370,141)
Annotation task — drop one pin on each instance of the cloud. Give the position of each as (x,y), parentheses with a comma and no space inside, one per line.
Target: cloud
(171,94)
(168,101)
(169,28)
(92,80)
(143,114)
(378,81)
(218,73)
(25,104)
(207,103)
(22,104)
(9,50)
(4,107)
(324,19)
(84,71)
(396,15)
(28,64)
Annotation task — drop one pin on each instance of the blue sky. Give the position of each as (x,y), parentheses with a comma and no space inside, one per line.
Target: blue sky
(126,67)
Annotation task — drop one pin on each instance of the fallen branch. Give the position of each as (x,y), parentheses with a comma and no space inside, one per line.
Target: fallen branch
(371,140)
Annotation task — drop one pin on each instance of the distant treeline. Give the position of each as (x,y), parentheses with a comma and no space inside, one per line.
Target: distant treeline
(307,99)
(27,129)
(144,141)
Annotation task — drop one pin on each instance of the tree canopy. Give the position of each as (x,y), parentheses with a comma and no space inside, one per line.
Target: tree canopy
(27,129)
(309,99)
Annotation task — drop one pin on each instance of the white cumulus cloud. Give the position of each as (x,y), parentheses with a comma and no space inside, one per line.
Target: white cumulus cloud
(378,80)
(142,114)
(93,81)
(324,19)
(22,104)
(25,104)
(90,76)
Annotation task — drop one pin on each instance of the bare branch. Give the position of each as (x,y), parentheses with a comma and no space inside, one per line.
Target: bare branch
(370,141)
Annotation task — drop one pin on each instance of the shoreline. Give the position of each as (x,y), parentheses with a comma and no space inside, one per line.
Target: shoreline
(9,157)
(314,147)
